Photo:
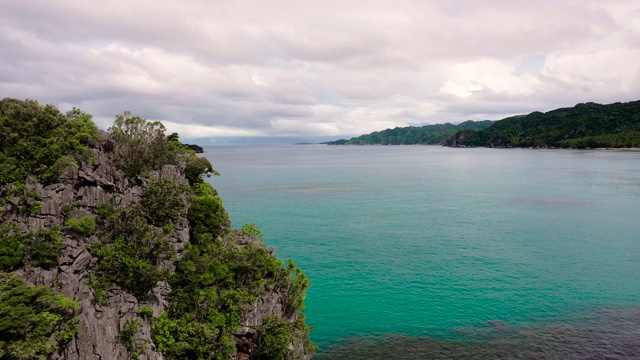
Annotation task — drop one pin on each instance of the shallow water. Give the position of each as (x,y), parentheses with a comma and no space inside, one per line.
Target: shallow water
(422,241)
(610,334)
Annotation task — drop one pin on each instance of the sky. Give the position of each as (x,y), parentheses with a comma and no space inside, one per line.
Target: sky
(218,69)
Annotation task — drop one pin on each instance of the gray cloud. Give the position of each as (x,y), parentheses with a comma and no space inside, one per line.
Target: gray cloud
(300,68)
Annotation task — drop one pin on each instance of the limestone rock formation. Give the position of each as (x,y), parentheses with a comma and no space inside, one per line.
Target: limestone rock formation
(82,192)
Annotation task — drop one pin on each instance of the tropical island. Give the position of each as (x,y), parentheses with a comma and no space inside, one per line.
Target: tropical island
(586,125)
(424,135)
(113,246)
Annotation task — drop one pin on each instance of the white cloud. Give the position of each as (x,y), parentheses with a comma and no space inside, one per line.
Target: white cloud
(288,67)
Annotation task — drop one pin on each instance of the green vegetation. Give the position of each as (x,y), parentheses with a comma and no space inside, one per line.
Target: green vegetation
(129,339)
(273,338)
(203,189)
(34,321)
(86,225)
(196,168)
(215,281)
(196,148)
(40,140)
(140,146)
(13,245)
(207,218)
(251,230)
(295,287)
(29,203)
(45,247)
(41,248)
(100,285)
(584,125)
(425,135)
(164,201)
(145,312)
(133,253)
(211,287)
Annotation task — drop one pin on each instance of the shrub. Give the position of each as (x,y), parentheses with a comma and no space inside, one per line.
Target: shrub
(250,230)
(141,145)
(130,264)
(86,225)
(145,312)
(12,247)
(163,201)
(133,253)
(45,248)
(273,339)
(99,285)
(203,189)
(129,338)
(188,339)
(296,288)
(197,168)
(211,286)
(34,321)
(207,216)
(40,140)
(42,247)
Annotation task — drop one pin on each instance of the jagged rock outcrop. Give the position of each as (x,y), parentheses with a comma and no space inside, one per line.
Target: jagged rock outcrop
(83,191)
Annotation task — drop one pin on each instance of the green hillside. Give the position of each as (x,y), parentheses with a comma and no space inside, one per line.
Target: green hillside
(584,125)
(424,135)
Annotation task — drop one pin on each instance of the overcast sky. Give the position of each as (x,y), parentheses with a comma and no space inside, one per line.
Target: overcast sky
(216,68)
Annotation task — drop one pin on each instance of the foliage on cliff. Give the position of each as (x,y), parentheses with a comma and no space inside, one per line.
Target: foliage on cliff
(39,140)
(34,321)
(425,135)
(584,125)
(214,278)
(39,248)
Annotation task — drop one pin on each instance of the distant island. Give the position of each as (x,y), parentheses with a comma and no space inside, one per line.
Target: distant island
(586,125)
(197,148)
(412,135)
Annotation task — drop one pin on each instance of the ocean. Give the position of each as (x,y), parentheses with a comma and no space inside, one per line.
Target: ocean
(435,252)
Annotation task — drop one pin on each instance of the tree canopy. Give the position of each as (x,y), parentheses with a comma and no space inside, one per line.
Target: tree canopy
(584,125)
(34,321)
(425,135)
(40,140)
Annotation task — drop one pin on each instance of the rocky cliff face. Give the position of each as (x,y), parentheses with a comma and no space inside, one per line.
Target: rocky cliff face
(84,191)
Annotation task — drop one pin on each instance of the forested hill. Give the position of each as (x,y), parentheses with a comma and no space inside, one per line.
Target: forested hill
(425,135)
(584,125)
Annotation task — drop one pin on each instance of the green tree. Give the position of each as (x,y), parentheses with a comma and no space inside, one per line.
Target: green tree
(164,201)
(40,140)
(207,217)
(197,168)
(34,321)
(133,252)
(273,339)
(13,245)
(140,146)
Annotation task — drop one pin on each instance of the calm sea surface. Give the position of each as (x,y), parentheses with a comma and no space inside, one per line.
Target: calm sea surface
(416,248)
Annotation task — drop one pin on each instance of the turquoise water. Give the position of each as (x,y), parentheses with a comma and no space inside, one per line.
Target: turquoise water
(426,241)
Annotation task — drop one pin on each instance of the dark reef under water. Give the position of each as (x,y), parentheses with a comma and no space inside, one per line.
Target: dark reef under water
(609,333)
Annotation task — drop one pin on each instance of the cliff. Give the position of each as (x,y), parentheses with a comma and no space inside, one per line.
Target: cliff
(160,295)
